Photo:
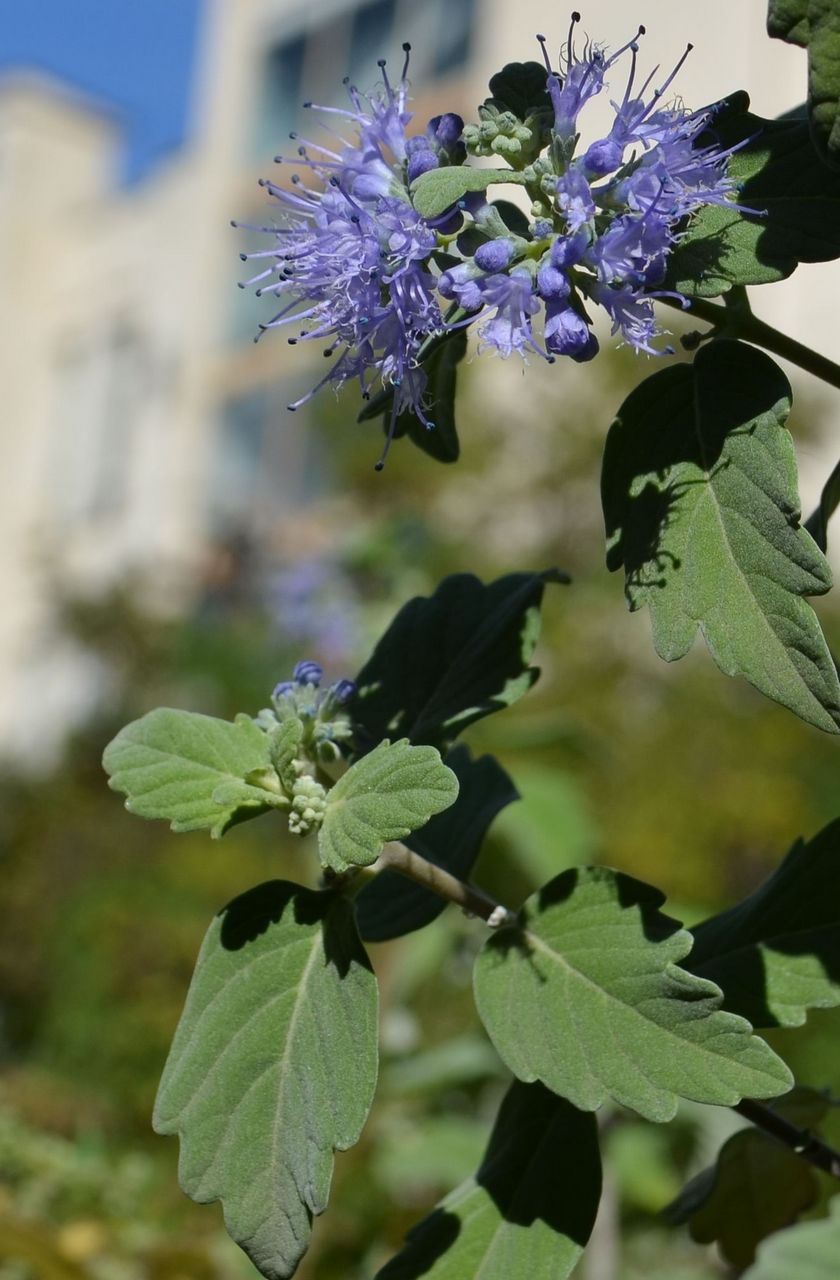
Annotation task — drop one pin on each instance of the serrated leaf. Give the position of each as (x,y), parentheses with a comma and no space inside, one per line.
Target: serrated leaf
(283,746)
(448,659)
(189,769)
(383,796)
(273,1065)
(794,203)
(788,20)
(757,1186)
(521,88)
(701,507)
(436,191)
(528,1211)
(391,905)
(777,953)
(815,25)
(807,1252)
(586,996)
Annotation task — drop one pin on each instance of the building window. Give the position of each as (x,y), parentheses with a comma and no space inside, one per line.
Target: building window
(453,36)
(278,105)
(372,34)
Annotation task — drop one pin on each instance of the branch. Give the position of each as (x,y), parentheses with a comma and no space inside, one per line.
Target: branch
(802,1141)
(741,323)
(398,857)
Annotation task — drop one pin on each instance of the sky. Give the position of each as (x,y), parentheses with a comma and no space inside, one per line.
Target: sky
(136,57)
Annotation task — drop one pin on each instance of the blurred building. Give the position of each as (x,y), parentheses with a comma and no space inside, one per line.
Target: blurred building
(140,419)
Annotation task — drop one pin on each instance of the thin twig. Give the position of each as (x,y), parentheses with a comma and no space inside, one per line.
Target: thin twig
(802,1141)
(743,324)
(398,857)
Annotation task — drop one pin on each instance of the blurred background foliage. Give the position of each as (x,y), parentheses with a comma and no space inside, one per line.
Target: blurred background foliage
(674,774)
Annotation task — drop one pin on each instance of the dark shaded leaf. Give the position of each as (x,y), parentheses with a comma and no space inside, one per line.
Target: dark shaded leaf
(701,507)
(815,25)
(795,204)
(450,658)
(757,1185)
(392,905)
(520,87)
(529,1210)
(777,954)
(817,522)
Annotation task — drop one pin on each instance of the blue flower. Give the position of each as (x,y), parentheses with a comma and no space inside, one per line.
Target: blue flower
(350,262)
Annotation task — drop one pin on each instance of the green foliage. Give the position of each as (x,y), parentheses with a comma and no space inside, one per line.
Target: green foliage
(817,522)
(520,87)
(777,953)
(273,1065)
(701,507)
(451,658)
(586,996)
(436,191)
(756,1187)
(390,906)
(191,769)
(527,1212)
(809,1252)
(789,209)
(383,796)
(815,24)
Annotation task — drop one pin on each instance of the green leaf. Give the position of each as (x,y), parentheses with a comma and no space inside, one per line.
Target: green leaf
(701,507)
(777,953)
(391,905)
(384,796)
(788,20)
(273,1065)
(448,659)
(436,191)
(808,1252)
(586,996)
(815,25)
(529,1210)
(191,769)
(521,88)
(794,201)
(756,1187)
(283,746)
(817,522)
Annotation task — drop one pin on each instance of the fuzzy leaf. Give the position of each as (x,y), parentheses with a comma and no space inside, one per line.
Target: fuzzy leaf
(273,1065)
(777,954)
(384,796)
(807,1252)
(448,659)
(756,1187)
(815,25)
(391,905)
(701,507)
(191,769)
(586,996)
(794,203)
(528,1211)
(436,191)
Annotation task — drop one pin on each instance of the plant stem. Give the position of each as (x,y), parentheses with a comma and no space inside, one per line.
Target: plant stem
(737,323)
(802,1141)
(398,857)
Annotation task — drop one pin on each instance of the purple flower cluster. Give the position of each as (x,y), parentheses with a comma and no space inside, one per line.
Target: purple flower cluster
(351,261)
(356,265)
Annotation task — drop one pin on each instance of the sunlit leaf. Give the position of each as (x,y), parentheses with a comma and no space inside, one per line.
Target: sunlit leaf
(701,506)
(585,994)
(273,1065)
